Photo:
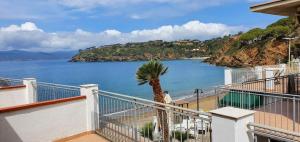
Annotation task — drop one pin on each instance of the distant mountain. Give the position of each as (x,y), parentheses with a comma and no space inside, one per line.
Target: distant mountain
(17,55)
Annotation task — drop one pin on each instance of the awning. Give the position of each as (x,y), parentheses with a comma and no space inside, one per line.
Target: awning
(278,7)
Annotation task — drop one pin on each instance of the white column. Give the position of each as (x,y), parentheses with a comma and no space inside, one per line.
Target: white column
(283,68)
(228,76)
(92,105)
(31,89)
(168,100)
(230,124)
(270,83)
(259,72)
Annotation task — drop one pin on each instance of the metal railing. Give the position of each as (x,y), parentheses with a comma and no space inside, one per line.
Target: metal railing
(288,84)
(292,68)
(241,75)
(280,111)
(126,118)
(4,82)
(49,91)
(272,133)
(245,74)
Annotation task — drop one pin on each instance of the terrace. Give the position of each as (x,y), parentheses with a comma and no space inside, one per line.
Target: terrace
(38,111)
(272,92)
(88,114)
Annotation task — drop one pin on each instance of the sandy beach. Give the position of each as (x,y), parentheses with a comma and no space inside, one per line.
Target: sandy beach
(207,101)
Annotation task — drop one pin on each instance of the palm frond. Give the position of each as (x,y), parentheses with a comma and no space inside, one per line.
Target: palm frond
(149,71)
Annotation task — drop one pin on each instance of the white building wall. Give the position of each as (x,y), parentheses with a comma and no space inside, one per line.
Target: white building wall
(241,136)
(12,97)
(228,76)
(219,132)
(270,74)
(230,124)
(92,108)
(45,123)
(31,89)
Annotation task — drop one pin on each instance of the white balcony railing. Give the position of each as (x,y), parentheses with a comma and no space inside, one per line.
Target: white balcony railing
(127,118)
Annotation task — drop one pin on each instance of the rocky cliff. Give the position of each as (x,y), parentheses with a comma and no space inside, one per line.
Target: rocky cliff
(258,46)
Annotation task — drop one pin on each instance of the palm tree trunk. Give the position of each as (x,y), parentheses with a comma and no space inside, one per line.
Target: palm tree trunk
(162,114)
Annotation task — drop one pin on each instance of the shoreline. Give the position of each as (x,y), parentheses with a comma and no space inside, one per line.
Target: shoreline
(196,58)
(137,60)
(207,101)
(191,97)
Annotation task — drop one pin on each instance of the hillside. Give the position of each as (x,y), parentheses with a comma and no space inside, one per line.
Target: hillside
(143,51)
(255,47)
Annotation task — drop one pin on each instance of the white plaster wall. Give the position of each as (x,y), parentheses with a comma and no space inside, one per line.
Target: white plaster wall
(12,97)
(270,83)
(259,72)
(45,123)
(242,129)
(231,130)
(228,76)
(223,129)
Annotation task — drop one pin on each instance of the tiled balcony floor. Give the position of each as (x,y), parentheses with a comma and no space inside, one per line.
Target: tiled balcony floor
(89,138)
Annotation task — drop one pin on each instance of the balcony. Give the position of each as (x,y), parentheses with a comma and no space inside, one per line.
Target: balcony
(88,113)
(276,101)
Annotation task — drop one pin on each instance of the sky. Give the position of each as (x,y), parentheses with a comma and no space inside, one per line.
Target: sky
(64,25)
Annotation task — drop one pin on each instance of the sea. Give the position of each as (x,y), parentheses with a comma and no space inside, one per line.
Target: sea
(182,78)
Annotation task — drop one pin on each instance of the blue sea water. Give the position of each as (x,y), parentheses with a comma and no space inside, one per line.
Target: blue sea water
(182,78)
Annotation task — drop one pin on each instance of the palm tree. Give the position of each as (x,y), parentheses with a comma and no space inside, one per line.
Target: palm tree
(150,73)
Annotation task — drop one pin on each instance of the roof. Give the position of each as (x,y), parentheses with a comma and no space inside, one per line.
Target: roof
(277,7)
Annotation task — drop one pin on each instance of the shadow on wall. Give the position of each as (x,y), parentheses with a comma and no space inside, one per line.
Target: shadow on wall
(7,133)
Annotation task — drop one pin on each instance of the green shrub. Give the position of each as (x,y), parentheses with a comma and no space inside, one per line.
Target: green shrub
(181,135)
(252,34)
(147,130)
(277,31)
(287,22)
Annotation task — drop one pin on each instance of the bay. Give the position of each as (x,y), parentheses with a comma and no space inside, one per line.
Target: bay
(182,78)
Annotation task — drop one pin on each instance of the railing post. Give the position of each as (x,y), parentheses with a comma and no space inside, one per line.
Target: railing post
(258,72)
(294,114)
(135,126)
(92,105)
(269,83)
(31,90)
(228,76)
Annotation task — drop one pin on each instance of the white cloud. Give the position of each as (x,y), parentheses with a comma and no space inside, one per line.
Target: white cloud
(28,26)
(28,36)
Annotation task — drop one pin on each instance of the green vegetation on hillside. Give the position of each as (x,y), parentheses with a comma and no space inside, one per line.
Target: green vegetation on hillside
(143,51)
(255,47)
(280,29)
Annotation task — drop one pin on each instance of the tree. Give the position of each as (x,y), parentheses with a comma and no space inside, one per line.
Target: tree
(254,34)
(150,73)
(277,31)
